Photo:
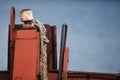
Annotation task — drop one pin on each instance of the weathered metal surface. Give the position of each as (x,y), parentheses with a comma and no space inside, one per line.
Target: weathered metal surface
(53,75)
(65,64)
(75,75)
(62,51)
(27,49)
(12,22)
(4,75)
(72,75)
(51,47)
(11,41)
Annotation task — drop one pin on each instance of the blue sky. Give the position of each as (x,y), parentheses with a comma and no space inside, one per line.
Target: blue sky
(93,30)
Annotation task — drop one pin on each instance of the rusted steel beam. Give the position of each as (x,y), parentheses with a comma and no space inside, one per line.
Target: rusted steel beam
(75,75)
(51,47)
(12,22)
(92,76)
(65,64)
(11,41)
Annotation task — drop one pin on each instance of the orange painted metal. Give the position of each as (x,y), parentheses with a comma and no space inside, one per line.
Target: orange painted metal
(11,41)
(12,22)
(65,64)
(27,50)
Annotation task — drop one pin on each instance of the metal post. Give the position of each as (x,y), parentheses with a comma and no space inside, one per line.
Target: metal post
(12,22)
(62,49)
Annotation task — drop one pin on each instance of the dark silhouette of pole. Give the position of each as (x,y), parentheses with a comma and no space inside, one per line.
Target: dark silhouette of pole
(62,49)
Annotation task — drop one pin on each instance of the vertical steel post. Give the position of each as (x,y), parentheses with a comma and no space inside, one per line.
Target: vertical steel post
(11,40)
(62,49)
(12,22)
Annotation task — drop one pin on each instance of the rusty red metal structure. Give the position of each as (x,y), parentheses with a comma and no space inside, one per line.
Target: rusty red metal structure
(24,54)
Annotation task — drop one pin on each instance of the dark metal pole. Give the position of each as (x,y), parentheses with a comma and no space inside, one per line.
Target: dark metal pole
(62,49)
